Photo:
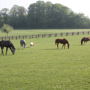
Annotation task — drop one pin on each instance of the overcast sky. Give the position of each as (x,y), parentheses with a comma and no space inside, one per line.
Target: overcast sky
(78,6)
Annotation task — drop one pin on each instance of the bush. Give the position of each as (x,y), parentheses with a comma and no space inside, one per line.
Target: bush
(6,28)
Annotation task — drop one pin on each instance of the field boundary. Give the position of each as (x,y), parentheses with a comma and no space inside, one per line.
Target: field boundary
(44,35)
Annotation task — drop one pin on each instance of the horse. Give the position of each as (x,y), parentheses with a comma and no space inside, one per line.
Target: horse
(7,44)
(23,43)
(31,44)
(85,40)
(62,41)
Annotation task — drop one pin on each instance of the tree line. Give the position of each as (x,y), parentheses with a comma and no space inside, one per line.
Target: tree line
(43,15)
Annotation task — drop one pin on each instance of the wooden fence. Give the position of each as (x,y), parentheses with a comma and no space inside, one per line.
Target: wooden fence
(44,35)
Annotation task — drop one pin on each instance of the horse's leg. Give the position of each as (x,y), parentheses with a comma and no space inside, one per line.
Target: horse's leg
(6,50)
(2,50)
(67,45)
(62,45)
(24,45)
(57,45)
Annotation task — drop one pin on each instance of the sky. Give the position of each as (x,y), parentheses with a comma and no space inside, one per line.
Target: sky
(78,6)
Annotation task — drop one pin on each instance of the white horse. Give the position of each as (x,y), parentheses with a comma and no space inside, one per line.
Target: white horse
(31,44)
(23,43)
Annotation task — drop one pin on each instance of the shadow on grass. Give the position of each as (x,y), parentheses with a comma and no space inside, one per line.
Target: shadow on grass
(7,54)
(56,49)
(21,48)
(50,49)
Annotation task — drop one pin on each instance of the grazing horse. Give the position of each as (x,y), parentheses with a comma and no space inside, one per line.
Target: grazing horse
(7,44)
(62,41)
(23,43)
(85,40)
(31,44)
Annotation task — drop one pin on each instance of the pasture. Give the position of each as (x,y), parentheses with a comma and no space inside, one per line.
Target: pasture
(44,67)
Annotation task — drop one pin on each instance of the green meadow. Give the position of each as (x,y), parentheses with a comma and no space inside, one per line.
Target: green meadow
(40,31)
(43,66)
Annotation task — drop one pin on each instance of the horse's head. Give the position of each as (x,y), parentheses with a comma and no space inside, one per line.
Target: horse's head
(13,49)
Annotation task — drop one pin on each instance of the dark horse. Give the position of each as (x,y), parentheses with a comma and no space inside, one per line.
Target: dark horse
(85,40)
(7,44)
(62,41)
(23,43)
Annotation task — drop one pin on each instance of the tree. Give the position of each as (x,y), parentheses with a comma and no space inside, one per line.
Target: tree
(43,15)
(6,28)
(4,16)
(17,16)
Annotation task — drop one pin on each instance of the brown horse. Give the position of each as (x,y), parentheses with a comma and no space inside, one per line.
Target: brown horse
(85,40)
(62,41)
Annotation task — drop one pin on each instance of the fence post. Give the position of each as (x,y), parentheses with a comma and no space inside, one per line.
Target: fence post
(88,32)
(9,38)
(16,37)
(83,33)
(42,35)
(49,35)
(2,38)
(61,34)
(37,35)
(55,34)
(72,33)
(67,33)
(77,33)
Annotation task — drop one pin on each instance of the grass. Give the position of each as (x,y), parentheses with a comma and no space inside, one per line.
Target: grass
(40,31)
(44,67)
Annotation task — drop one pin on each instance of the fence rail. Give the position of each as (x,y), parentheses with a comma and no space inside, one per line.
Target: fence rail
(43,35)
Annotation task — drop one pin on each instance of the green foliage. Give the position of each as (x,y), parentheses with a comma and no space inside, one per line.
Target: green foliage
(43,15)
(6,28)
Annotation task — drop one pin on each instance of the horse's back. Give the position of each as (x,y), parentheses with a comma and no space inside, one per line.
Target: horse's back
(85,38)
(7,43)
(65,40)
(22,41)
(62,41)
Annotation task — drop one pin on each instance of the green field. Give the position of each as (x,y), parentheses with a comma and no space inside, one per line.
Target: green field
(40,31)
(44,67)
